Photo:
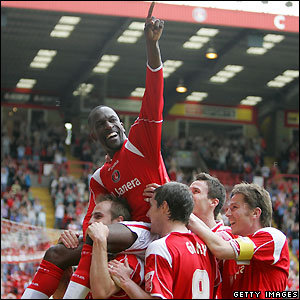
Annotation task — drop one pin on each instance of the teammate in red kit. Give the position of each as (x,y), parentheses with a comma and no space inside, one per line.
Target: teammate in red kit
(178,265)
(135,162)
(259,256)
(108,210)
(209,196)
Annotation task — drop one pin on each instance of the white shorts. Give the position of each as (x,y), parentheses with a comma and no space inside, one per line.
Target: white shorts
(144,237)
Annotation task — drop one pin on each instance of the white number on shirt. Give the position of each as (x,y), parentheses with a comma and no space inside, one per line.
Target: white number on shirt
(200,285)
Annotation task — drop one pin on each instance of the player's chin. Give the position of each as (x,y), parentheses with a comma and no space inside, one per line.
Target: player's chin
(114,144)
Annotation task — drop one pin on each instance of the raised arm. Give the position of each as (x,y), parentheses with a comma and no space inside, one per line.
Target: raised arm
(153,30)
(220,248)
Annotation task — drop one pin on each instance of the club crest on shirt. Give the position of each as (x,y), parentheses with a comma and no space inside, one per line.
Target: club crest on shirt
(115,176)
(148,281)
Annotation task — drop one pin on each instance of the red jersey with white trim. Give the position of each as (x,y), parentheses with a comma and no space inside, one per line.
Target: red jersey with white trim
(267,270)
(137,275)
(180,266)
(144,238)
(139,161)
(222,230)
(225,233)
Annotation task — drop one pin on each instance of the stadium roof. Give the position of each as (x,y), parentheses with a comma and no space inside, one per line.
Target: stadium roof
(97,38)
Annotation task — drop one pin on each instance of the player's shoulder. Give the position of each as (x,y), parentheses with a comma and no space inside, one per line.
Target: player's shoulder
(96,178)
(272,232)
(170,243)
(269,236)
(160,247)
(97,172)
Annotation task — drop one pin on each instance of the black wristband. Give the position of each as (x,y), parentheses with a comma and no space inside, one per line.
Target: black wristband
(88,240)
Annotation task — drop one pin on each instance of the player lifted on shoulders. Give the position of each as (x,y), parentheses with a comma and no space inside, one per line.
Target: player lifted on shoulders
(135,162)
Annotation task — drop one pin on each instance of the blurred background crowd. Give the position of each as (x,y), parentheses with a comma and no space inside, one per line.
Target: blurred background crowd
(236,158)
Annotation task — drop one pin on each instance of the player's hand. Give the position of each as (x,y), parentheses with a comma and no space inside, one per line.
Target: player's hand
(119,272)
(98,231)
(69,238)
(149,191)
(153,27)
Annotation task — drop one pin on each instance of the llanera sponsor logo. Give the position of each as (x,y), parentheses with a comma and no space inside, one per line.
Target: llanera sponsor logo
(127,186)
(115,176)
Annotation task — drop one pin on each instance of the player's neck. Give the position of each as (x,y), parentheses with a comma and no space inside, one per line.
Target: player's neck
(254,228)
(174,226)
(208,219)
(251,229)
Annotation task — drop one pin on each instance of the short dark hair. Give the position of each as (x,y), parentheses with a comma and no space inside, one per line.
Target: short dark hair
(94,110)
(179,199)
(215,190)
(119,206)
(256,196)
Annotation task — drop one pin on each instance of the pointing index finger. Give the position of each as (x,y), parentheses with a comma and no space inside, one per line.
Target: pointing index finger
(150,10)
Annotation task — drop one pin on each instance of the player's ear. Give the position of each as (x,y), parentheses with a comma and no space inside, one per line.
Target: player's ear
(256,212)
(214,201)
(165,207)
(92,136)
(123,127)
(119,219)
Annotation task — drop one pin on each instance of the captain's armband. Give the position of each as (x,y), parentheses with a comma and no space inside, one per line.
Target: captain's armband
(246,248)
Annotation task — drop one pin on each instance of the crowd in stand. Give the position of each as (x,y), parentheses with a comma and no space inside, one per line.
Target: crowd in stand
(21,157)
(70,198)
(17,201)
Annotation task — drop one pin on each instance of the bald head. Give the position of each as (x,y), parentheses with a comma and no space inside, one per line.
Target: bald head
(105,127)
(95,110)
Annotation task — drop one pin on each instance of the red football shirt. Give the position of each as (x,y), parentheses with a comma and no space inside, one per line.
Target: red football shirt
(137,274)
(267,270)
(139,161)
(180,266)
(225,233)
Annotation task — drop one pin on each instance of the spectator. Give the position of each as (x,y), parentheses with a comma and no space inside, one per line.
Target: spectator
(41,218)
(27,180)
(5,145)
(72,225)
(32,219)
(59,197)
(16,187)
(21,151)
(59,215)
(4,178)
(295,239)
(28,151)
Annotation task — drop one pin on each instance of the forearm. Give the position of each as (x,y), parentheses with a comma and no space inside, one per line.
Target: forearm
(134,291)
(153,54)
(102,286)
(220,248)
